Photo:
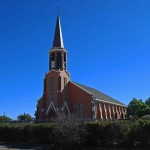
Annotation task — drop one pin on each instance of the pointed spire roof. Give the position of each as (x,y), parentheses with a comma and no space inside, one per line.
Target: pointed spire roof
(58,39)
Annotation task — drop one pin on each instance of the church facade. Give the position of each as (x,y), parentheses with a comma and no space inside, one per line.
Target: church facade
(60,94)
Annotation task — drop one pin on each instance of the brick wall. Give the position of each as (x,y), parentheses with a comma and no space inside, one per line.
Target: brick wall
(76,95)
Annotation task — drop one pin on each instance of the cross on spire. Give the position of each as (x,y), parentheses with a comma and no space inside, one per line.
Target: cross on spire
(58,10)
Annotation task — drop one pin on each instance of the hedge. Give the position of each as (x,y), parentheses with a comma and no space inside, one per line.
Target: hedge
(35,133)
(120,133)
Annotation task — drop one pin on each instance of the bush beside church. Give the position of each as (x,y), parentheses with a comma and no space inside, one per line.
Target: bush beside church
(117,133)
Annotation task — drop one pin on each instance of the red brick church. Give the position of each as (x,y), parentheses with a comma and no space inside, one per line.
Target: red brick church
(60,94)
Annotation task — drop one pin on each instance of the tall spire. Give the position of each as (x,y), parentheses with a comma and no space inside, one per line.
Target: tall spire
(58,39)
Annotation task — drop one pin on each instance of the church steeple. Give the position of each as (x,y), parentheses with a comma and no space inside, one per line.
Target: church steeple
(58,39)
(58,54)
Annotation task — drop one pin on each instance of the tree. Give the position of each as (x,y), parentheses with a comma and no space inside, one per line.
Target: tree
(4,119)
(137,108)
(146,117)
(69,130)
(148,102)
(25,118)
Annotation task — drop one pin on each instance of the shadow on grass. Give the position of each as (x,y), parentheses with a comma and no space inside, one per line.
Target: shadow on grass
(24,146)
(28,146)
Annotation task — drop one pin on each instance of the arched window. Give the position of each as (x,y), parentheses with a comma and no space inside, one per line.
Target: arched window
(52,56)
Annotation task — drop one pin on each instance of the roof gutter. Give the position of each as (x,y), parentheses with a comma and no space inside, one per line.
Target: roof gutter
(110,102)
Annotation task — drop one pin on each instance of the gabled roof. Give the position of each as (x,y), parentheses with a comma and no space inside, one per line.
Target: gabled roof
(58,39)
(99,95)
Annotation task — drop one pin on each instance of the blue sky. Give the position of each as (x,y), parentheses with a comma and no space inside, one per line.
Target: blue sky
(108,44)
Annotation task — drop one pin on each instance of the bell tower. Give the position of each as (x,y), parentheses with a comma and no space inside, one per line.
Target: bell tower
(55,94)
(58,54)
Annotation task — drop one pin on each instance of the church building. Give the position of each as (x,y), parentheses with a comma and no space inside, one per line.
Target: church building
(61,95)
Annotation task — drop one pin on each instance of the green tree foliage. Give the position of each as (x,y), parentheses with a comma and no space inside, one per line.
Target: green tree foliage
(25,118)
(148,102)
(146,117)
(137,108)
(4,119)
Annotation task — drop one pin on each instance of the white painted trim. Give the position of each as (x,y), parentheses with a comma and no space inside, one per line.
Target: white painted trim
(119,111)
(57,49)
(65,104)
(58,71)
(125,111)
(113,110)
(67,72)
(110,102)
(118,115)
(105,111)
(52,70)
(100,109)
(93,109)
(49,107)
(109,112)
(95,112)
(81,88)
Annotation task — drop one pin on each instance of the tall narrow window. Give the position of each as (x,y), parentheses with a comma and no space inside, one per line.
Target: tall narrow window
(64,62)
(51,61)
(52,56)
(59,83)
(78,109)
(65,90)
(51,88)
(59,61)
(81,109)
(65,57)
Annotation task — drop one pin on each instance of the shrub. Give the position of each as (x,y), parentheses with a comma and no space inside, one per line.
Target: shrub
(4,119)
(146,117)
(143,132)
(69,131)
(37,133)
(95,134)
(42,133)
(108,133)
